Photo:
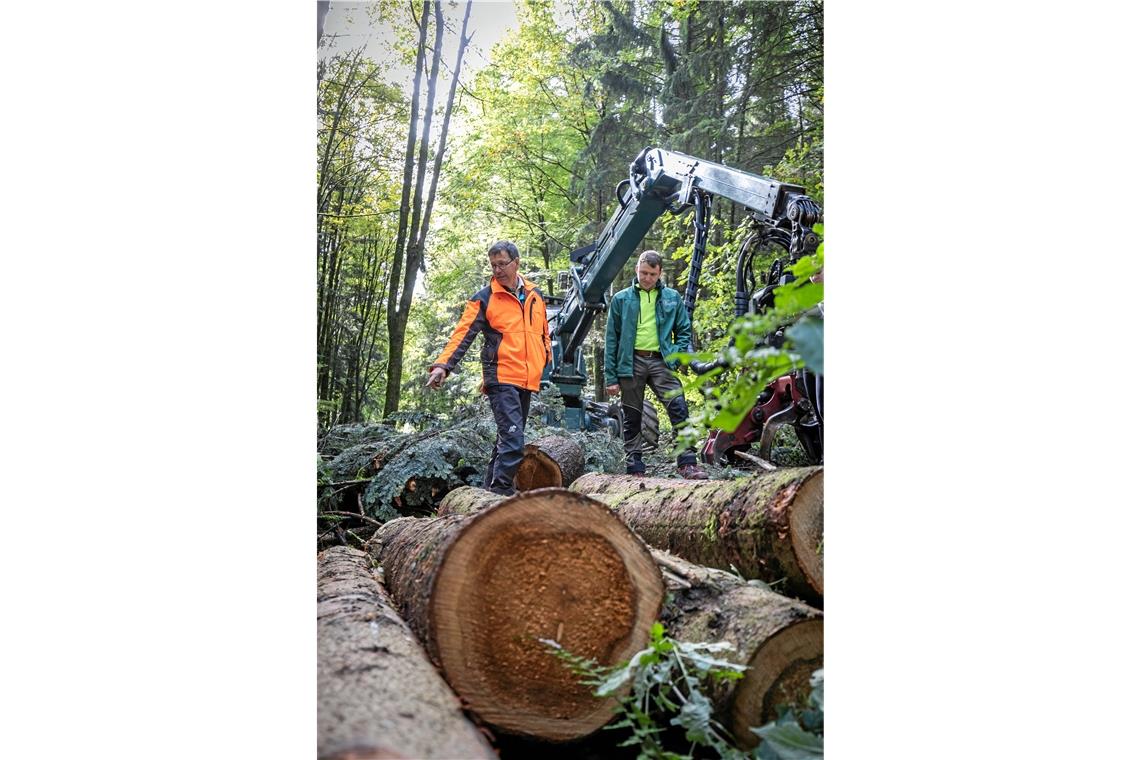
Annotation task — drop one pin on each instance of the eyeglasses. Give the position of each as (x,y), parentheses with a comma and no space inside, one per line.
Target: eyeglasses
(500,267)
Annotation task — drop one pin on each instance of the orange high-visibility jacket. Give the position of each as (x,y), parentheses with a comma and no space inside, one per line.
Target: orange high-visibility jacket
(516,337)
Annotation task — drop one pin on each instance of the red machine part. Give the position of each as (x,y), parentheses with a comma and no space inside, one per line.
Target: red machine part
(780,394)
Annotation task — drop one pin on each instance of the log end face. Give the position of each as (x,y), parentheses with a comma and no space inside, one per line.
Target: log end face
(537,470)
(806,525)
(779,673)
(546,564)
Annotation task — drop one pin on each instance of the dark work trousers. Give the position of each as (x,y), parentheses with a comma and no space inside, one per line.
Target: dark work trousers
(652,371)
(510,405)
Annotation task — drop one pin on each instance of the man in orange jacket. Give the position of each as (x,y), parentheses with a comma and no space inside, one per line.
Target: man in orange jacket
(511,315)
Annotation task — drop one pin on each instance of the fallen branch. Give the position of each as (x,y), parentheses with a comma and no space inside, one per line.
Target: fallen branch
(365,518)
(764,463)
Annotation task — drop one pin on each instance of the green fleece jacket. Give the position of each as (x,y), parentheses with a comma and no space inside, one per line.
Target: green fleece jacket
(673,328)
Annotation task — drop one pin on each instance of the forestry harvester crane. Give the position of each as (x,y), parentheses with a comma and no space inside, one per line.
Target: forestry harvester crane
(660,181)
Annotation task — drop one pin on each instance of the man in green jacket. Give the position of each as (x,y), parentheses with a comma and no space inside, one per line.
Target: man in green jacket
(647,321)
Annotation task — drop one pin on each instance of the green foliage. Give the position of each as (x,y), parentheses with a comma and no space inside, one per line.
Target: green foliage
(750,362)
(342,437)
(666,681)
(807,335)
(425,468)
(797,734)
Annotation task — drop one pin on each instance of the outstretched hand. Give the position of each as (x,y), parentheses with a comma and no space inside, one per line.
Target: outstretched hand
(436,378)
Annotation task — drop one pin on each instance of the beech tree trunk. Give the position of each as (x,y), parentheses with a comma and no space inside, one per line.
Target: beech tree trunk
(480,590)
(553,461)
(779,639)
(377,693)
(768,526)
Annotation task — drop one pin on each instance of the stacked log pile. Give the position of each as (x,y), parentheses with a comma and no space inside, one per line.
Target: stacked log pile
(767,526)
(480,590)
(377,694)
(779,639)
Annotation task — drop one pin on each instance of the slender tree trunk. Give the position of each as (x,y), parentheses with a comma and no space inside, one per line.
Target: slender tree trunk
(414,257)
(395,326)
(322,11)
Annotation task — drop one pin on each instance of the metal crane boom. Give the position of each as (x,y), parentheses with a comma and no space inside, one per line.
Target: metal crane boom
(659,181)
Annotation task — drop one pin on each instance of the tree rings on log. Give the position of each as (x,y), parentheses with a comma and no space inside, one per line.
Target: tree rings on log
(378,695)
(767,526)
(481,589)
(553,461)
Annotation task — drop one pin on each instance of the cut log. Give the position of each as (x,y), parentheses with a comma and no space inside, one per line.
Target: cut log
(553,461)
(480,590)
(767,526)
(377,693)
(467,500)
(779,639)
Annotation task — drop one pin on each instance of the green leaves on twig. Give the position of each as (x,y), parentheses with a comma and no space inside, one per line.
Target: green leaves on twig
(666,680)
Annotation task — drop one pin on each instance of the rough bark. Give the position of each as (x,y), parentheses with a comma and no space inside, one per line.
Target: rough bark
(480,590)
(467,501)
(779,639)
(377,693)
(767,526)
(553,461)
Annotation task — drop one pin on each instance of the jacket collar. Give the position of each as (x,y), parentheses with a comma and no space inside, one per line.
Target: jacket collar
(658,287)
(528,286)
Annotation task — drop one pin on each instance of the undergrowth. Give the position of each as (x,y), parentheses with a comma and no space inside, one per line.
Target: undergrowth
(667,682)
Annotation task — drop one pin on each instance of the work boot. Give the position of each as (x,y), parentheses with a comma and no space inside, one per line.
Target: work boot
(692,471)
(635,466)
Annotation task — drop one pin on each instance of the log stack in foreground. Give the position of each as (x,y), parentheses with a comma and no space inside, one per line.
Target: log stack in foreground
(553,461)
(377,693)
(768,526)
(779,639)
(480,590)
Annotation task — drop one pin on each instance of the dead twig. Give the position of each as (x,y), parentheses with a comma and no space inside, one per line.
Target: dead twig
(764,463)
(365,518)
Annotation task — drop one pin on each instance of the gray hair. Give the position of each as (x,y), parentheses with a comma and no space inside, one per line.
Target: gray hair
(504,246)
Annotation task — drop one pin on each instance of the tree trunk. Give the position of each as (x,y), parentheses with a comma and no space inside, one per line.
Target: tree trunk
(779,639)
(417,235)
(377,694)
(551,461)
(322,11)
(481,590)
(768,526)
(396,321)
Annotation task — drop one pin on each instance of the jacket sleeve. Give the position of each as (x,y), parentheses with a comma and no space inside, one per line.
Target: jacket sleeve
(470,324)
(613,335)
(546,331)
